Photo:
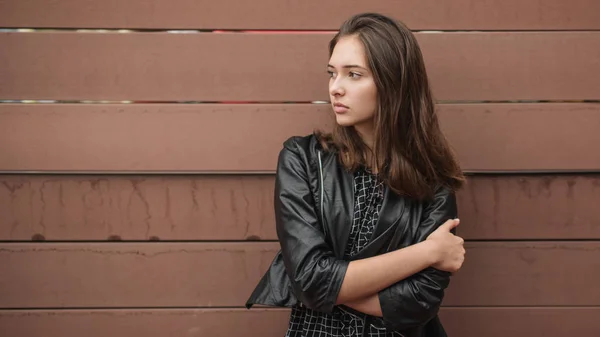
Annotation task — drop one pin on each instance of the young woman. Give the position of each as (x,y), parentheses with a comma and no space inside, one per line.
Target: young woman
(365,215)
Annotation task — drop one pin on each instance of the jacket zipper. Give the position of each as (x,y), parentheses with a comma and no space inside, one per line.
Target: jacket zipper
(321,196)
(321,188)
(366,319)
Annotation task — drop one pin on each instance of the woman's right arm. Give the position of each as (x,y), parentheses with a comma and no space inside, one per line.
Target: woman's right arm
(316,275)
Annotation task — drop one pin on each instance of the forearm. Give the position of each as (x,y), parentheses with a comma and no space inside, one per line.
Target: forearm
(369,305)
(368,276)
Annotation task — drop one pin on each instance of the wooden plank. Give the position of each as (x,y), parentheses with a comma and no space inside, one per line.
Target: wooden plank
(147,323)
(60,208)
(530,207)
(152,137)
(136,208)
(508,137)
(464,322)
(527,273)
(181,138)
(108,275)
(96,275)
(285,67)
(502,322)
(307,14)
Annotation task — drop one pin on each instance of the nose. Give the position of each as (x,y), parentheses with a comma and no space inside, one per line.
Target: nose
(335,87)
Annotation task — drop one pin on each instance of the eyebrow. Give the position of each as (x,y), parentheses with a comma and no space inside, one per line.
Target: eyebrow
(348,66)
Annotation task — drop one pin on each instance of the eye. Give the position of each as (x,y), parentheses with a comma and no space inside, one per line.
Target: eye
(331,74)
(354,75)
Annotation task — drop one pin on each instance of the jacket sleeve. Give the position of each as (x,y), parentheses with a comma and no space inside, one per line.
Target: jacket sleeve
(415,300)
(315,273)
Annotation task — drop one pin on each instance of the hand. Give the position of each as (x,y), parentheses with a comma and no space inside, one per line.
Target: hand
(448,248)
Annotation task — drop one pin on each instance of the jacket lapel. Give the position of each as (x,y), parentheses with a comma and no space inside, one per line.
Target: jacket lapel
(391,211)
(386,229)
(339,203)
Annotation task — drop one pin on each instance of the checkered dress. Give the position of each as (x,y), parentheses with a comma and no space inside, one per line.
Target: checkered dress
(304,322)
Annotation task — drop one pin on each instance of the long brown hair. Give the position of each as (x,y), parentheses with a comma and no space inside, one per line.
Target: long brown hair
(410,152)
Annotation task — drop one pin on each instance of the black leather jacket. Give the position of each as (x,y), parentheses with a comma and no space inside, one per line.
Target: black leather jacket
(314,207)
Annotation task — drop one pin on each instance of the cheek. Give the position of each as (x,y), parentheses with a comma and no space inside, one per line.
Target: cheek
(368,99)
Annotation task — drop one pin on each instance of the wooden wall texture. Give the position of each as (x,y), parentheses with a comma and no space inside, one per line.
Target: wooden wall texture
(136,192)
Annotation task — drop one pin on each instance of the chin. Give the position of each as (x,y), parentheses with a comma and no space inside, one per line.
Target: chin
(344,120)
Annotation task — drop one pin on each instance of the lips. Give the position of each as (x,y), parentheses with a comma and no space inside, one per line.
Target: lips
(340,108)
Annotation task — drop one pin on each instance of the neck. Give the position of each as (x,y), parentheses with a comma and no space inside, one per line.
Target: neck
(366,134)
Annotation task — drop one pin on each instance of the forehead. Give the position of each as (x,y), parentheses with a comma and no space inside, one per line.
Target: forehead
(348,50)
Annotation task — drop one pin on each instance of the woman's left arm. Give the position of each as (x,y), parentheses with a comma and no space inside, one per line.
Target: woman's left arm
(370,306)
(415,300)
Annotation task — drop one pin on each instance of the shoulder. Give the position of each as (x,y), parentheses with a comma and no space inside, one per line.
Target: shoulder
(305,147)
(303,152)
(297,159)
(443,191)
(443,200)
(305,143)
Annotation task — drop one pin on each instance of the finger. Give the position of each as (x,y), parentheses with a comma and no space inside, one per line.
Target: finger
(450,224)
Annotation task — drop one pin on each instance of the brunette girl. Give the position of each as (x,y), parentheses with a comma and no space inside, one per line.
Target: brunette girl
(365,215)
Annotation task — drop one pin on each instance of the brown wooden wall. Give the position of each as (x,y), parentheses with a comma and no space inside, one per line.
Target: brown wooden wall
(136,164)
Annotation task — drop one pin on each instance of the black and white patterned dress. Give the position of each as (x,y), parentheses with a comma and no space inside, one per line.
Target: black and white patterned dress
(304,322)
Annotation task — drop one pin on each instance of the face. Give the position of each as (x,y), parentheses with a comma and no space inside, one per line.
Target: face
(352,89)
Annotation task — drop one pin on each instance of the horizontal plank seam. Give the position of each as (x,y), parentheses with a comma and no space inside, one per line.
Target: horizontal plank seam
(275,308)
(272,172)
(82,242)
(525,240)
(229,174)
(117,30)
(134,102)
(136,241)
